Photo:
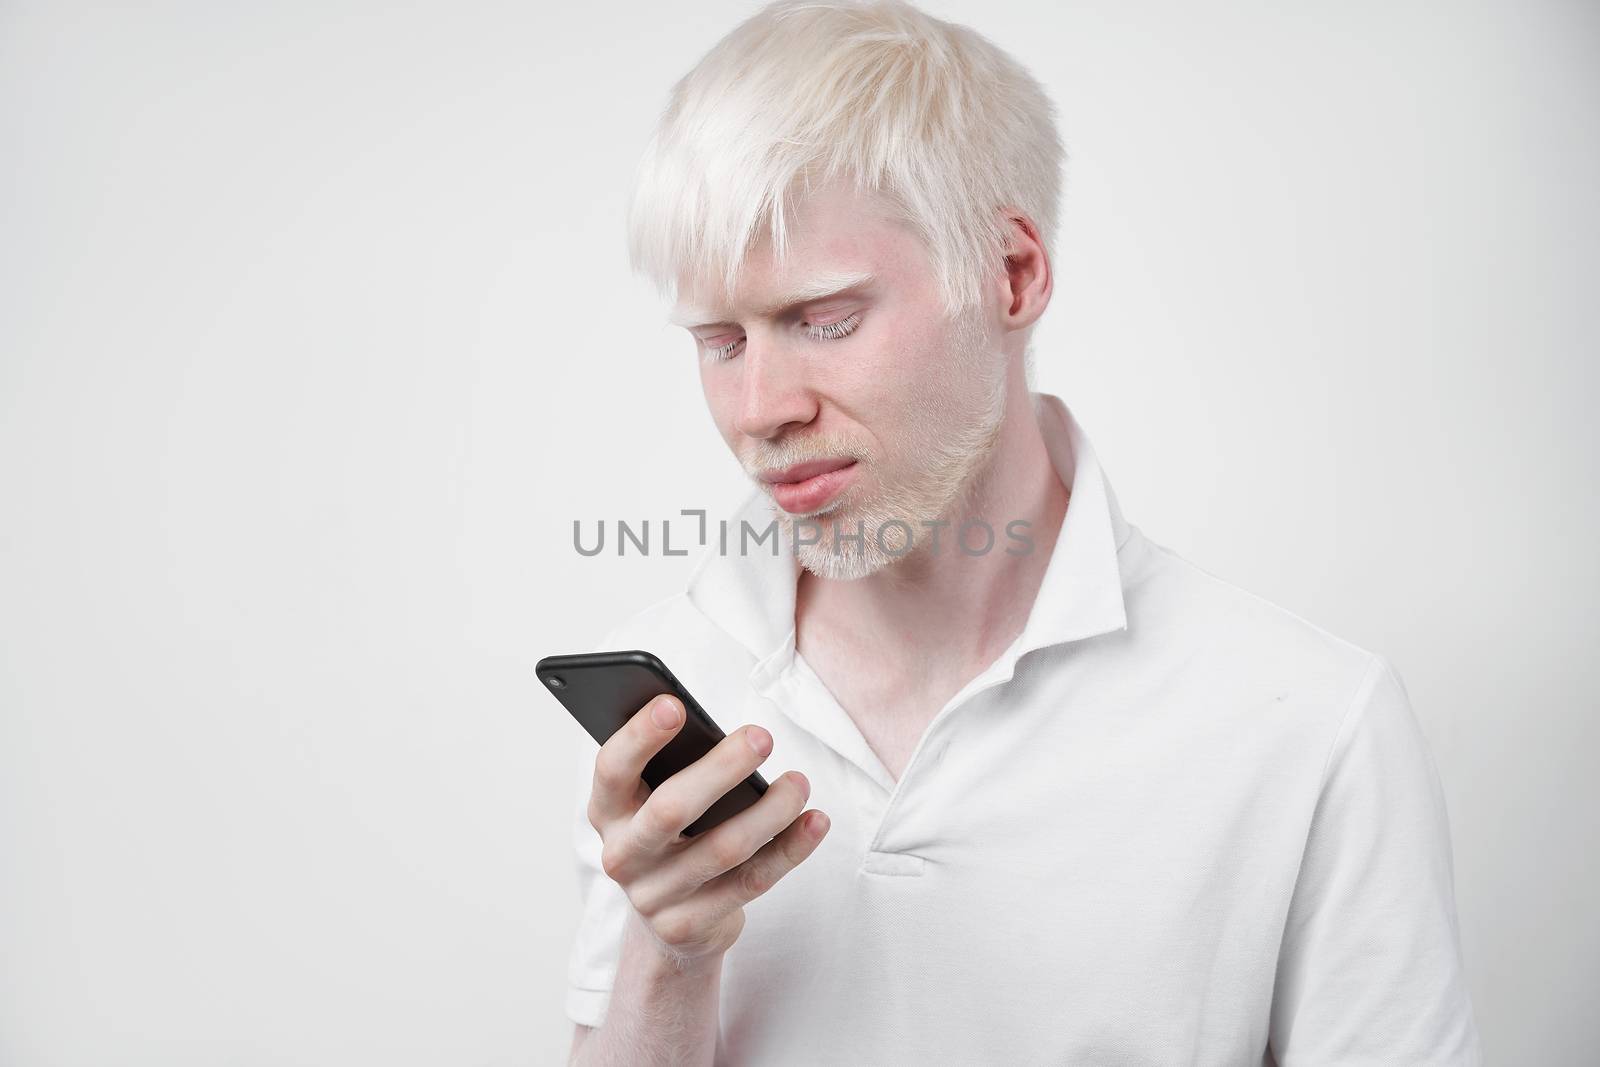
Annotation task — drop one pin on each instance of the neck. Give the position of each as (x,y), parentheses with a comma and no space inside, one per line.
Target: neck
(946,606)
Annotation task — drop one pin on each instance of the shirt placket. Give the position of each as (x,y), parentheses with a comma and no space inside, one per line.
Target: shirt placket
(789,682)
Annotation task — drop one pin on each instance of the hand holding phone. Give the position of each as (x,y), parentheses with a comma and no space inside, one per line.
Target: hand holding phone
(689,888)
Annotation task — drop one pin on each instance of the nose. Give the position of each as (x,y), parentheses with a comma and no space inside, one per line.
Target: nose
(775,395)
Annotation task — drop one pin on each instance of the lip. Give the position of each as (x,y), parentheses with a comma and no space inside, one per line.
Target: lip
(802,471)
(813,484)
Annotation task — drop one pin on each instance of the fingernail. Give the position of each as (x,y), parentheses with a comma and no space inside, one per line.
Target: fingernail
(665,713)
(759,740)
(816,822)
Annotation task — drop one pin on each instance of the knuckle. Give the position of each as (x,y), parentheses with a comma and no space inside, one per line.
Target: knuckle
(725,851)
(733,750)
(645,900)
(666,814)
(675,929)
(754,879)
(613,861)
(607,775)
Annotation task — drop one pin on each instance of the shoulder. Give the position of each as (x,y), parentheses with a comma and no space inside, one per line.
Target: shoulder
(1237,639)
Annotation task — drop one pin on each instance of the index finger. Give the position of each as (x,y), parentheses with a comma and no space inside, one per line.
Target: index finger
(619,766)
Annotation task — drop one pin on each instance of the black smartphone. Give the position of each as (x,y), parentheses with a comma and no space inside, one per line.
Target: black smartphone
(603,690)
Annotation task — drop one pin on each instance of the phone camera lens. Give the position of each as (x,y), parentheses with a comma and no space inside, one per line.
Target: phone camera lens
(555,681)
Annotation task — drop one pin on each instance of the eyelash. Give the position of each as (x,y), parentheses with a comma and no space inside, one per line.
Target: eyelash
(832,331)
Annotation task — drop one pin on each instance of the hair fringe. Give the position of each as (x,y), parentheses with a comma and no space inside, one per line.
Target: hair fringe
(948,128)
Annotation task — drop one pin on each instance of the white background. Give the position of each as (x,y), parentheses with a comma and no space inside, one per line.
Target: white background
(317,332)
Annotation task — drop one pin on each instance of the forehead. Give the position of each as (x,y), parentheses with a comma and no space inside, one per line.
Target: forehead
(838,238)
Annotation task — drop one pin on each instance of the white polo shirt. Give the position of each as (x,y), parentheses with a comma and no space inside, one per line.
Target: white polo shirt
(1172,824)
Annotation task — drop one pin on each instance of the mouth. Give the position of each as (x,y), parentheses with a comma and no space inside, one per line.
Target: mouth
(806,487)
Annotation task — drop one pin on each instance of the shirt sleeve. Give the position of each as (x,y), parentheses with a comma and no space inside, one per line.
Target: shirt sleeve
(597,943)
(1370,969)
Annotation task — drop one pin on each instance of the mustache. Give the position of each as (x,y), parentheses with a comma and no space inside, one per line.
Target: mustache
(767,456)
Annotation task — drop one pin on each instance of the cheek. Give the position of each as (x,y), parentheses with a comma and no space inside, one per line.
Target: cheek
(897,368)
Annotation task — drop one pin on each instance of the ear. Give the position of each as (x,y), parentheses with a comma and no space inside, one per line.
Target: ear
(1028,278)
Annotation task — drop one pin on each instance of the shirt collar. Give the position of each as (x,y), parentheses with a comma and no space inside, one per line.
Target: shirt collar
(752,596)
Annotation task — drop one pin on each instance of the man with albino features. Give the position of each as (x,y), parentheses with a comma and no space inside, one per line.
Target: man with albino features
(1048,794)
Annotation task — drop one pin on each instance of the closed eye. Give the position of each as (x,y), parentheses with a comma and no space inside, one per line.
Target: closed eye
(830,331)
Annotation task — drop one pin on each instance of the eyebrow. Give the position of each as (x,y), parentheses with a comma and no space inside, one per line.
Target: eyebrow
(820,287)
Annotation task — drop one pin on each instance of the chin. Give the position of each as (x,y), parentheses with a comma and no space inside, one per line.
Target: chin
(852,561)
(823,562)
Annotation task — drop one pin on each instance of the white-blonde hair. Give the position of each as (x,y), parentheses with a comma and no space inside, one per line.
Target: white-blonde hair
(947,127)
